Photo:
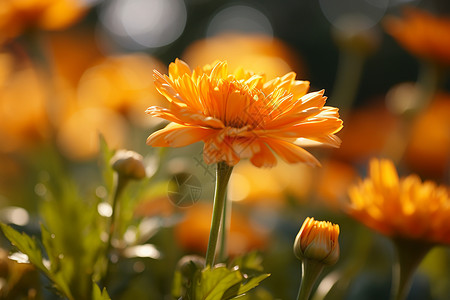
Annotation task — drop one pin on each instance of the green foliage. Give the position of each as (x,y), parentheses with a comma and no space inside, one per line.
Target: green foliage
(30,247)
(193,282)
(98,294)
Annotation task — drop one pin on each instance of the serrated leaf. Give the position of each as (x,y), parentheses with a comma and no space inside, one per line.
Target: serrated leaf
(26,245)
(29,246)
(49,248)
(213,283)
(98,294)
(252,283)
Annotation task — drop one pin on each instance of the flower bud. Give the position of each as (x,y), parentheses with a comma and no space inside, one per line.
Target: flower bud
(318,241)
(128,164)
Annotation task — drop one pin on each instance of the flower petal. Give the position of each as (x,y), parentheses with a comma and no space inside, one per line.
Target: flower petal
(291,153)
(177,135)
(263,158)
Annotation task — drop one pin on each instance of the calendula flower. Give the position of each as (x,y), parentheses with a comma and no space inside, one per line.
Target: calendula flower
(404,208)
(242,115)
(422,34)
(318,241)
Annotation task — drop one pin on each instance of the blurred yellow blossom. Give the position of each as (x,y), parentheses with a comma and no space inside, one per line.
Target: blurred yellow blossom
(192,232)
(122,83)
(23,111)
(269,187)
(18,15)
(401,207)
(78,136)
(242,115)
(262,54)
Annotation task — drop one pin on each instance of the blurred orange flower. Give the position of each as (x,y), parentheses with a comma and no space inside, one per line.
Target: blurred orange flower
(428,151)
(269,187)
(241,115)
(193,232)
(366,132)
(421,33)
(122,84)
(333,181)
(401,207)
(18,15)
(262,54)
(23,111)
(78,135)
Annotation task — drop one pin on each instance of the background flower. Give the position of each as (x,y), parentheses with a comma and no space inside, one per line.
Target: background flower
(401,207)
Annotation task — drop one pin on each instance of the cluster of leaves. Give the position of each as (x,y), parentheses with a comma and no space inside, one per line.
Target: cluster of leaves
(73,253)
(70,252)
(193,281)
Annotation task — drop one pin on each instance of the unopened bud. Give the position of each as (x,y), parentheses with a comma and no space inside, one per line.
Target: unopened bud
(128,164)
(318,241)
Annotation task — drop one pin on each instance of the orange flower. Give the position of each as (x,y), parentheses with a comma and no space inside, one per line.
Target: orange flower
(318,241)
(428,151)
(17,15)
(422,34)
(401,207)
(255,52)
(121,83)
(192,232)
(241,115)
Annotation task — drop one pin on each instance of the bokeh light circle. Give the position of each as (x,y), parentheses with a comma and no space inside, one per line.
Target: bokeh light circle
(239,18)
(139,24)
(371,11)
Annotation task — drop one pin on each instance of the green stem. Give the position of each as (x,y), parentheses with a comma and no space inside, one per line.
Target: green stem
(428,82)
(409,255)
(226,221)
(119,184)
(311,271)
(223,174)
(348,76)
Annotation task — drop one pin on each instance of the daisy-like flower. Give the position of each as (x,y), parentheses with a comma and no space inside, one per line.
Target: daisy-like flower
(405,208)
(422,34)
(242,115)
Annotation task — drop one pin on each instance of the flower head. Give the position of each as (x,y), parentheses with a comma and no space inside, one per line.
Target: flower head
(242,115)
(318,241)
(401,207)
(422,34)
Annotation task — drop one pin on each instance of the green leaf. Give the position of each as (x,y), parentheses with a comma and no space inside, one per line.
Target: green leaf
(29,246)
(47,241)
(105,156)
(213,283)
(26,245)
(250,284)
(97,294)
